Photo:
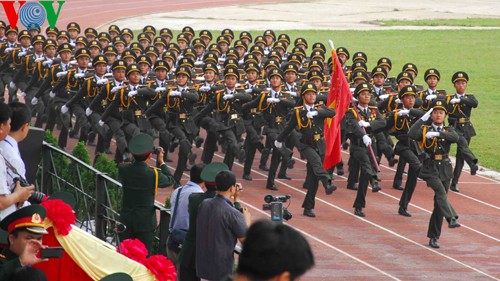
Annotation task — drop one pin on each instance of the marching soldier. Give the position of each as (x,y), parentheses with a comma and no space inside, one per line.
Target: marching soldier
(460,107)
(308,120)
(435,140)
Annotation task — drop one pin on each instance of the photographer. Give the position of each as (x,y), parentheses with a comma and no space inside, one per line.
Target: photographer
(220,224)
(140,185)
(14,127)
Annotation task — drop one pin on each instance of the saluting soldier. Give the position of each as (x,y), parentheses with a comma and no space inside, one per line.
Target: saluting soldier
(460,107)
(435,139)
(432,77)
(140,186)
(308,119)
(362,123)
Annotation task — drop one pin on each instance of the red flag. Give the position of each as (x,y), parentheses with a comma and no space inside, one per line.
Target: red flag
(339,98)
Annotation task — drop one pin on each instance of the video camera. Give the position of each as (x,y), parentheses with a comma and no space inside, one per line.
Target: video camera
(275,205)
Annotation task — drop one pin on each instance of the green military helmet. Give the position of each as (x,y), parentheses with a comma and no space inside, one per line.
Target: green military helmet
(318,46)
(228,33)
(64,48)
(90,32)
(2,24)
(211,170)
(104,36)
(82,40)
(308,87)
(405,75)
(210,57)
(49,43)
(129,54)
(119,64)
(260,39)
(246,35)
(290,67)
(279,45)
(114,28)
(141,144)
(439,104)
(149,29)
(136,47)
(131,68)
(99,59)
(317,55)
(215,48)
(83,52)
(119,40)
(275,72)
(383,61)
(169,55)
(284,38)
(143,59)
(53,31)
(314,74)
(239,43)
(231,71)
(231,53)
(359,65)
(343,51)
(24,34)
(300,42)
(127,31)
(188,30)
(206,34)
(316,64)
(182,37)
(10,29)
(256,49)
(173,47)
(362,87)
(199,43)
(188,62)
(432,72)
(73,26)
(152,50)
(379,70)
(110,50)
(211,66)
(274,54)
(410,67)
(249,58)
(271,63)
(63,34)
(29,218)
(360,56)
(65,196)
(183,70)
(252,66)
(230,62)
(166,32)
(460,76)
(299,51)
(143,36)
(294,59)
(37,39)
(270,32)
(407,90)
(359,75)
(159,64)
(94,44)
(222,39)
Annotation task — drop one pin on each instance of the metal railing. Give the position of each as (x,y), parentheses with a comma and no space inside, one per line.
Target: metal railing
(98,196)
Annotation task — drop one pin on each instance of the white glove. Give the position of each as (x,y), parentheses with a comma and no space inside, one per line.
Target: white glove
(426,116)
(362,123)
(102,81)
(90,64)
(273,100)
(72,44)
(293,94)
(198,63)
(228,97)
(367,140)
(352,90)
(237,85)
(241,62)
(116,89)
(79,75)
(88,111)
(160,89)
(204,88)
(47,62)
(21,54)
(200,78)
(175,94)
(383,97)
(397,101)
(278,144)
(8,50)
(12,84)
(39,59)
(431,135)
(266,52)
(248,91)
(52,94)
(353,99)
(455,100)
(132,93)
(22,94)
(404,112)
(64,109)
(311,114)
(101,123)
(34,101)
(430,97)
(222,60)
(61,74)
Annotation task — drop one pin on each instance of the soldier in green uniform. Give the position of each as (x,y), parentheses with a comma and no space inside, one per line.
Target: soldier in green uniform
(436,170)
(187,256)
(25,228)
(140,186)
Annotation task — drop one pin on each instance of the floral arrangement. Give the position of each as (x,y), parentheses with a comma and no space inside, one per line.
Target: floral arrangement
(61,215)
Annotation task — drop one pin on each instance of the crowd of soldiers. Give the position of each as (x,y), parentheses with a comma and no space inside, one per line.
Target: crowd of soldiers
(248,94)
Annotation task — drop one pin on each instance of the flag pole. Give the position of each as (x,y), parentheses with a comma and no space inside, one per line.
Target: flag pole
(370,148)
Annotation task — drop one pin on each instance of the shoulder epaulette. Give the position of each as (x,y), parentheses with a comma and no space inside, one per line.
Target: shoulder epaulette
(373,106)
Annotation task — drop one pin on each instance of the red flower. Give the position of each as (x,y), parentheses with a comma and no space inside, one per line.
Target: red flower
(374,112)
(135,250)
(61,215)
(161,267)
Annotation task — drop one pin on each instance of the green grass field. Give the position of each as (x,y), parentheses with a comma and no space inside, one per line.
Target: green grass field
(468,22)
(475,51)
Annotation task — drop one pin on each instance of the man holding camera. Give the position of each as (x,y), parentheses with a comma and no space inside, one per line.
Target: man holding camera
(219,224)
(140,186)
(12,131)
